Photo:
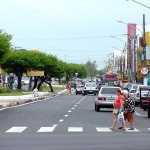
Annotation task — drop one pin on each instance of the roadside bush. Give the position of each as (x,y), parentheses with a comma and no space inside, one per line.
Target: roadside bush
(4,90)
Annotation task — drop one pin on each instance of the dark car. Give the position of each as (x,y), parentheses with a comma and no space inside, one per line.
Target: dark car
(145,102)
(73,84)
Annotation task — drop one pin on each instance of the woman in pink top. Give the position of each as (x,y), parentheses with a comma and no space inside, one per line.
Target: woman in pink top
(118,104)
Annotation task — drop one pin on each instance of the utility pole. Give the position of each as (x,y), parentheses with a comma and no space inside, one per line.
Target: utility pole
(144,50)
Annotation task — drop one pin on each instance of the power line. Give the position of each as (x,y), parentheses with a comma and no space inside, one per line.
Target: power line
(72,38)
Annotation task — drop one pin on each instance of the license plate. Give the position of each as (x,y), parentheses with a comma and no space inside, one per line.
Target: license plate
(90,91)
(110,99)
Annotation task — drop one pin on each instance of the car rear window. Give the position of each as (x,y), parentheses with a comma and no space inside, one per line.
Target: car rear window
(90,85)
(109,90)
(79,86)
(135,87)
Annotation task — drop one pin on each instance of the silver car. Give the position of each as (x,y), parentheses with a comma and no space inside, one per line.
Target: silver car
(106,97)
(79,89)
(90,88)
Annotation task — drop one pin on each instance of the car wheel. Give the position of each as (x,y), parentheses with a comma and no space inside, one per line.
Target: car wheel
(76,93)
(148,112)
(97,108)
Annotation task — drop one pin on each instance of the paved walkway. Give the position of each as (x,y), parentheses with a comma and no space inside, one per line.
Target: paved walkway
(7,101)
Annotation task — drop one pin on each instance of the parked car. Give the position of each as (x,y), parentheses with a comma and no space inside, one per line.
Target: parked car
(136,95)
(79,89)
(144,100)
(148,104)
(90,88)
(106,97)
(25,80)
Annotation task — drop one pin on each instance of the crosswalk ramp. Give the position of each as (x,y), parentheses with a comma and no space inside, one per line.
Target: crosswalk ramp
(20,129)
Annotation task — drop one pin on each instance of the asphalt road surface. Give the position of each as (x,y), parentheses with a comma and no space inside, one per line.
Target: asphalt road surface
(69,122)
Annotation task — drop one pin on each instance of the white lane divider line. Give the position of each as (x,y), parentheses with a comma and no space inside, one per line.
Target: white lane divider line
(75,105)
(149,129)
(72,108)
(16,129)
(55,125)
(78,103)
(75,129)
(46,129)
(135,130)
(69,111)
(103,129)
(65,115)
(61,120)
(139,114)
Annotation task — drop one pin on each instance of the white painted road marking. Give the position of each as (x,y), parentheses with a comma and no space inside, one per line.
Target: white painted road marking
(46,129)
(103,129)
(139,114)
(61,120)
(16,129)
(75,129)
(135,130)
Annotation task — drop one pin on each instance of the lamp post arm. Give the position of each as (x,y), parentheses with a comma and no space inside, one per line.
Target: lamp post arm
(141,4)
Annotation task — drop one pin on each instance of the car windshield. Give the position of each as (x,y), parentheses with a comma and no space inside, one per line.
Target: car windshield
(108,90)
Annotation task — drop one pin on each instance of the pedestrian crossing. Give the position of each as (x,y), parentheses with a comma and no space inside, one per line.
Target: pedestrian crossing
(20,129)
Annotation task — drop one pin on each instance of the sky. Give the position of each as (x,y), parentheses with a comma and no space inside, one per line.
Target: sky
(74,30)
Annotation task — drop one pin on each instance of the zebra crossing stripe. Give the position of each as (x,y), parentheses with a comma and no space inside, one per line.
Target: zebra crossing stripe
(148,128)
(103,129)
(75,129)
(46,129)
(16,129)
(135,130)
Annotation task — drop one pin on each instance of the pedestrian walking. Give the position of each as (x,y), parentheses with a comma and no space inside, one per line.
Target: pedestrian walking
(118,108)
(69,89)
(129,109)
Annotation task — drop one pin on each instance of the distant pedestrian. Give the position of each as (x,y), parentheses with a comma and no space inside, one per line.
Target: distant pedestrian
(118,106)
(69,89)
(129,109)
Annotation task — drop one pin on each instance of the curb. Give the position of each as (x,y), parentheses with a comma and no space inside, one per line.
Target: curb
(20,101)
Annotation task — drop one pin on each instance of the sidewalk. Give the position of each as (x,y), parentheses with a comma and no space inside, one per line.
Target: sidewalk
(8,101)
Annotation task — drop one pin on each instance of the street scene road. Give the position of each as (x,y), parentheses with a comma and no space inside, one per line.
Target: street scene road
(68,122)
(75,75)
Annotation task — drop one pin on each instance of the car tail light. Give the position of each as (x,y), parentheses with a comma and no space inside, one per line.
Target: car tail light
(148,100)
(101,99)
(138,95)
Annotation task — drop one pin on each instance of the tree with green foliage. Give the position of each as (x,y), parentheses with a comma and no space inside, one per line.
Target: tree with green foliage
(91,68)
(71,69)
(19,62)
(5,43)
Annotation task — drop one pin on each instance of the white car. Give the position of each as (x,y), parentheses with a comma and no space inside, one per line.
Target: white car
(79,89)
(25,80)
(106,97)
(90,88)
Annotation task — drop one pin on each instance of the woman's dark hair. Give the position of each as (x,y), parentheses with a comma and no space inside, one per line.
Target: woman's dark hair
(119,91)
